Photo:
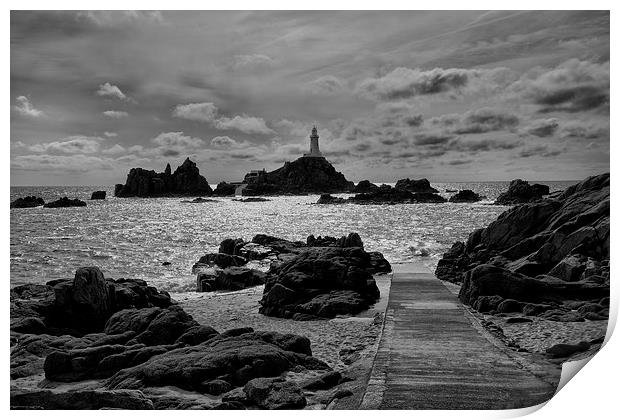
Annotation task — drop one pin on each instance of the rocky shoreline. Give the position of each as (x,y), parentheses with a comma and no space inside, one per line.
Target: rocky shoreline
(541,263)
(92,342)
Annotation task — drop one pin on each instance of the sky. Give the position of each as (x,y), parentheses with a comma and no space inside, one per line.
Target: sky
(450,96)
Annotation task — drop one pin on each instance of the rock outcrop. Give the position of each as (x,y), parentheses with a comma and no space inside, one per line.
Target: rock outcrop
(465,196)
(65,202)
(186,180)
(548,258)
(98,195)
(415,185)
(224,188)
(385,194)
(365,186)
(520,192)
(302,176)
(325,278)
(133,340)
(25,202)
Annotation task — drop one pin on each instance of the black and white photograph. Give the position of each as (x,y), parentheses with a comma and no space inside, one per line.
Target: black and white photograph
(306,209)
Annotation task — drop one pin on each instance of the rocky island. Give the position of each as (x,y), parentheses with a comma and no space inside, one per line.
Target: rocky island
(185,181)
(406,191)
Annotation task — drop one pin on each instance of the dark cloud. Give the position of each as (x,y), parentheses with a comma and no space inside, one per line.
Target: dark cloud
(573,86)
(539,150)
(425,139)
(485,120)
(576,99)
(481,145)
(457,162)
(543,128)
(170,153)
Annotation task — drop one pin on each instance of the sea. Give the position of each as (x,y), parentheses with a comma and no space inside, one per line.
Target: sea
(134,237)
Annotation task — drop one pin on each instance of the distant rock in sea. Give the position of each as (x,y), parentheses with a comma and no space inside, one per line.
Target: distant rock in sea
(224,188)
(385,194)
(199,200)
(520,192)
(98,195)
(303,176)
(251,200)
(65,202)
(465,196)
(415,185)
(25,202)
(365,186)
(548,258)
(186,180)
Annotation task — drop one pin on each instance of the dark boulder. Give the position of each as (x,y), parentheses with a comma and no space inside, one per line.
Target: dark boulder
(231,246)
(365,187)
(415,185)
(251,200)
(224,188)
(186,180)
(199,200)
(98,195)
(465,196)
(329,199)
(65,202)
(274,394)
(238,359)
(520,191)
(221,260)
(25,202)
(231,278)
(320,282)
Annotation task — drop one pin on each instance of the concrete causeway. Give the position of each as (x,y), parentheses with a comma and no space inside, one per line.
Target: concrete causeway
(434,355)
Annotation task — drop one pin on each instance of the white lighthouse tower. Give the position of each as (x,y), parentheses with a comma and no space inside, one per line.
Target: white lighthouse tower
(314,144)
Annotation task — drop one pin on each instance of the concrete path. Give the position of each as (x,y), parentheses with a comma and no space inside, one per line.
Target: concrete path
(434,355)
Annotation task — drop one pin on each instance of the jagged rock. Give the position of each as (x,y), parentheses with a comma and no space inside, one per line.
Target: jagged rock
(224,188)
(222,260)
(465,196)
(489,280)
(98,195)
(520,191)
(231,246)
(80,400)
(329,199)
(65,202)
(388,195)
(302,176)
(231,278)
(274,394)
(186,180)
(365,187)
(551,250)
(25,202)
(320,282)
(415,185)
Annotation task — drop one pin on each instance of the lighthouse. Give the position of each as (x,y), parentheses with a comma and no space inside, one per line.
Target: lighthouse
(314,144)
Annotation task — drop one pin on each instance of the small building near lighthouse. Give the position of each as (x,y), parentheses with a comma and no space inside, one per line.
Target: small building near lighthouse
(314,144)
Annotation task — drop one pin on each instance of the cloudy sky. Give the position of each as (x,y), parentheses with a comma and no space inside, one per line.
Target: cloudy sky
(444,95)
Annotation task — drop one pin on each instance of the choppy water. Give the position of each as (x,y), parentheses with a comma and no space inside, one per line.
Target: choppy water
(132,237)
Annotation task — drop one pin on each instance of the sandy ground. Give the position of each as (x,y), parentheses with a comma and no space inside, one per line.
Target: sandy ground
(539,335)
(338,342)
